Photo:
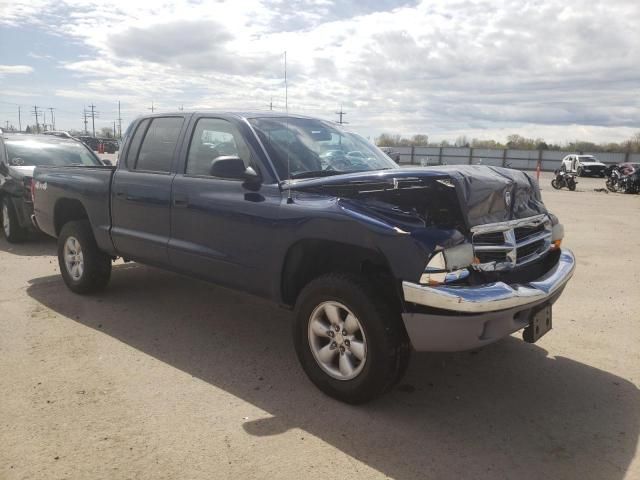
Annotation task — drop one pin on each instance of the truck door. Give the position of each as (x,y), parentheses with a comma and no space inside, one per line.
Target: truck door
(223,227)
(141,191)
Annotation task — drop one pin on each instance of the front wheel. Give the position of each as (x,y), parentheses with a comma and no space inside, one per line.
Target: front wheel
(84,267)
(579,171)
(572,186)
(554,184)
(350,342)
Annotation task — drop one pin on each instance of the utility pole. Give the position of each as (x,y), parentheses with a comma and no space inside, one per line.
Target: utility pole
(44,120)
(19,120)
(84,114)
(36,112)
(53,119)
(119,122)
(114,129)
(181,107)
(271,104)
(7,122)
(152,107)
(341,114)
(93,119)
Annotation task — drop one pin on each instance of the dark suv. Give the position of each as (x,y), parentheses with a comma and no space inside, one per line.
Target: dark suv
(19,155)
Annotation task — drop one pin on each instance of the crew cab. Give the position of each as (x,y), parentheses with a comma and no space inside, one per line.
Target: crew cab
(583,165)
(374,260)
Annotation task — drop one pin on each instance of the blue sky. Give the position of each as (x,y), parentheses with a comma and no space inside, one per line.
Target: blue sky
(555,69)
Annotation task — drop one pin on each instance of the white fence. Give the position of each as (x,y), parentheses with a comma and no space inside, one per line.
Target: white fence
(519,159)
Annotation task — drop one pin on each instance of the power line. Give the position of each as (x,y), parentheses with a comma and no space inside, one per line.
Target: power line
(119,122)
(36,112)
(341,114)
(94,114)
(84,114)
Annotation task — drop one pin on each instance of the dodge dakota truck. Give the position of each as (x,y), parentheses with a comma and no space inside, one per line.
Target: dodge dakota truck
(374,259)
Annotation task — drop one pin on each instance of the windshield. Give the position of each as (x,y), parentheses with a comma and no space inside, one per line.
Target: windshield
(33,152)
(314,148)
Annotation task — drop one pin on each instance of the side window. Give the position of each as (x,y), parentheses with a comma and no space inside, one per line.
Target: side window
(134,146)
(159,144)
(212,138)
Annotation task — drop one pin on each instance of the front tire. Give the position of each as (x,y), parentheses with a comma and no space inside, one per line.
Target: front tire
(11,228)
(84,267)
(579,171)
(554,184)
(350,342)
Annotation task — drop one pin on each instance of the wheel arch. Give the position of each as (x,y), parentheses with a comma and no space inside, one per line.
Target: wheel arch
(308,259)
(67,210)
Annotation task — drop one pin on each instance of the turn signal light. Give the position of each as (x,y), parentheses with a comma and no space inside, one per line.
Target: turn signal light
(555,245)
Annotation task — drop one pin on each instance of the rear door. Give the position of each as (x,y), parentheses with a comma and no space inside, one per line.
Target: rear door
(141,191)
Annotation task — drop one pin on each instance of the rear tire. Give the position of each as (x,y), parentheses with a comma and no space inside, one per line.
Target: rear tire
(324,318)
(84,267)
(11,228)
(572,186)
(554,184)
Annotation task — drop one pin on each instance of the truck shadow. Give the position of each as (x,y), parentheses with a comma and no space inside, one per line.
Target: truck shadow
(508,411)
(35,245)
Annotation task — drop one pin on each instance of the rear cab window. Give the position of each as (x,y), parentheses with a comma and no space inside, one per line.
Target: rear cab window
(153,144)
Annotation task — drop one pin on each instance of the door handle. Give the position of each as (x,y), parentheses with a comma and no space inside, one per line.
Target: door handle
(120,193)
(180,200)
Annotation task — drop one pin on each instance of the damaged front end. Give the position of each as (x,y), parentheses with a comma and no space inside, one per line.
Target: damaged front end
(494,217)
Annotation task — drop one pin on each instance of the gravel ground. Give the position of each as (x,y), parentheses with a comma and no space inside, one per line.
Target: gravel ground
(162,376)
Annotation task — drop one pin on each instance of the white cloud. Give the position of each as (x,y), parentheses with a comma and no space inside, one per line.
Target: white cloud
(445,68)
(15,69)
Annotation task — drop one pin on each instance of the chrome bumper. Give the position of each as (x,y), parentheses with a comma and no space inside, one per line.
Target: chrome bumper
(494,296)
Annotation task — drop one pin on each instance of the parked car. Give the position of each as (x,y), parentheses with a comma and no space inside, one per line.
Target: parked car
(391,153)
(19,155)
(58,133)
(373,259)
(583,165)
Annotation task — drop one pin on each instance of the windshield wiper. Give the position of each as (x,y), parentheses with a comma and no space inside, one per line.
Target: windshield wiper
(317,173)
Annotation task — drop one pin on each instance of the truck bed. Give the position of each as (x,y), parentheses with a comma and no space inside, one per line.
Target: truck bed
(66,188)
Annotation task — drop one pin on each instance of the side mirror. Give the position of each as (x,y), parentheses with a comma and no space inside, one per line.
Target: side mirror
(231,166)
(106,161)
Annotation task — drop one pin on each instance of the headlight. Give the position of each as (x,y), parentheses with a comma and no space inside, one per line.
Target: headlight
(557,234)
(448,265)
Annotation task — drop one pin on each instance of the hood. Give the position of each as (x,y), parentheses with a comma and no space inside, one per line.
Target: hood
(452,196)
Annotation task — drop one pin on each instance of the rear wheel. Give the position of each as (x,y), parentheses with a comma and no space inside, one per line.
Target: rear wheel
(350,342)
(554,184)
(11,228)
(572,186)
(84,268)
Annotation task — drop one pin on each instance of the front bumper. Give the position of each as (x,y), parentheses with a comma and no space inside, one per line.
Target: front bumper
(470,317)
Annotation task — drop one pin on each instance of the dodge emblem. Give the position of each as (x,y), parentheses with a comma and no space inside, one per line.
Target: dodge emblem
(507,198)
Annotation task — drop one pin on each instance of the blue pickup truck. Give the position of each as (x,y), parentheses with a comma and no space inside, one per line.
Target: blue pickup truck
(374,259)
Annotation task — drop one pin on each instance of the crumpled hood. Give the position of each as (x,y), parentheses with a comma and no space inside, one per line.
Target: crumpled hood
(485,194)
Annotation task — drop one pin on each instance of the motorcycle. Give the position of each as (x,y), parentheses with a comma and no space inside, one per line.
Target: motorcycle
(564,179)
(623,178)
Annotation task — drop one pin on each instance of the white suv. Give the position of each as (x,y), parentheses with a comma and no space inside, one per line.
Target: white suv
(583,165)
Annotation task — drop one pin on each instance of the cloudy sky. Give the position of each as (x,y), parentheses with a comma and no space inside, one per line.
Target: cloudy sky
(559,69)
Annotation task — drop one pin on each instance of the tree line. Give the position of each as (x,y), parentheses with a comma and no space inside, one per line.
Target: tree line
(514,141)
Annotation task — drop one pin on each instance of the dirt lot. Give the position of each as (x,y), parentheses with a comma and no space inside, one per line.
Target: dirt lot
(166,377)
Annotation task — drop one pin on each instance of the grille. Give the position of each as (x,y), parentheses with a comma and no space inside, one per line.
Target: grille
(503,246)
